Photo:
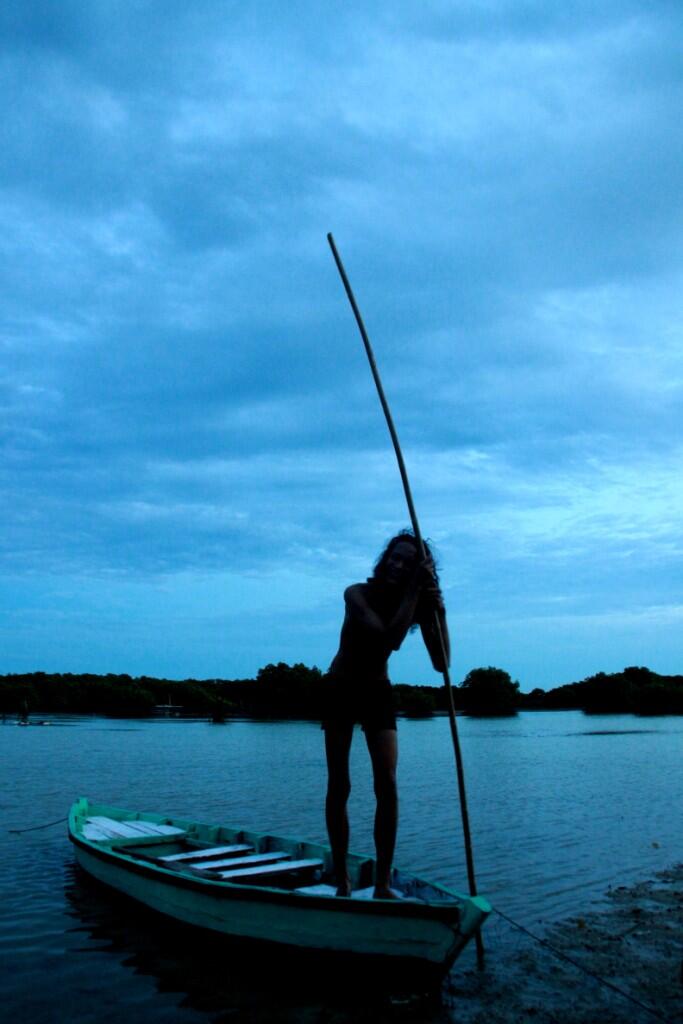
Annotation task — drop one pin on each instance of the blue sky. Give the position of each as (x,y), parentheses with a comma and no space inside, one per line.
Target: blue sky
(194,463)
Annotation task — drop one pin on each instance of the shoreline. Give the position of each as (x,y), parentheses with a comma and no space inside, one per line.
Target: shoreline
(635,943)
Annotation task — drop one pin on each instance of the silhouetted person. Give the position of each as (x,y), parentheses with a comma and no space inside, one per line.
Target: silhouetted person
(402,592)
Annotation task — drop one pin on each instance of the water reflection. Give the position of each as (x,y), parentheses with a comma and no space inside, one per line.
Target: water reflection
(555,821)
(615,732)
(230,980)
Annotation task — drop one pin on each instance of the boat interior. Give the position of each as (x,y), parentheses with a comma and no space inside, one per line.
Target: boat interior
(223,854)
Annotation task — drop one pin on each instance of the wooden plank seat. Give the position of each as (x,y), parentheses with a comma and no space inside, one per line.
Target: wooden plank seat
(267,870)
(100,827)
(93,833)
(208,853)
(151,828)
(246,862)
(318,889)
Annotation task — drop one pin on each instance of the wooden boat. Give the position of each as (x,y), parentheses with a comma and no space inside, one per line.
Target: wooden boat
(258,886)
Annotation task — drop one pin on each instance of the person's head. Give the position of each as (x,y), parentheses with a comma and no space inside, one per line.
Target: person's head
(398,559)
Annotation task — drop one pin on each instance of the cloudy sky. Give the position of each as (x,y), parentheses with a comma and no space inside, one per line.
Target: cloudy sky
(194,462)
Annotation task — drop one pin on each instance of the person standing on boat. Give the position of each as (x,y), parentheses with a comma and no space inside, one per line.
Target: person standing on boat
(402,593)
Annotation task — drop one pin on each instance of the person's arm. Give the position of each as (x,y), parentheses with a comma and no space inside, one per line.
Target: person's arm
(433,607)
(395,631)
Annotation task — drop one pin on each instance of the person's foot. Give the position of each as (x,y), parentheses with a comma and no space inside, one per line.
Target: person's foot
(383,892)
(344,889)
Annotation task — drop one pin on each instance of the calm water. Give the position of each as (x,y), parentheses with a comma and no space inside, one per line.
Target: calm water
(562,805)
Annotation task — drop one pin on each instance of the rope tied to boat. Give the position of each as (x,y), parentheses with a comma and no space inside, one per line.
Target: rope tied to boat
(585,970)
(33,828)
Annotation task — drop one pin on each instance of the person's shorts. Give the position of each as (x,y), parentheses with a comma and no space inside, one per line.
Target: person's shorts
(348,701)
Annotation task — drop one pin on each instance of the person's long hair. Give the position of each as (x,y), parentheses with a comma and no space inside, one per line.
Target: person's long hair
(404,536)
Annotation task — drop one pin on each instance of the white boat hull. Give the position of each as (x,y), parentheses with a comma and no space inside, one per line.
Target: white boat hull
(396,930)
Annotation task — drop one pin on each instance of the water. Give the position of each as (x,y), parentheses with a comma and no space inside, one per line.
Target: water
(561,805)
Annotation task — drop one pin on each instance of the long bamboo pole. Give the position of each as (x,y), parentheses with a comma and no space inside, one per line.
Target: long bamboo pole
(460,771)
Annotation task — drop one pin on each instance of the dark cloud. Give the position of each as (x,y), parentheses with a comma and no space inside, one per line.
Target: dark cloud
(531,21)
(183,390)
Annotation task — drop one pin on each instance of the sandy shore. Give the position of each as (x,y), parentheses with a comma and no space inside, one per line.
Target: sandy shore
(636,943)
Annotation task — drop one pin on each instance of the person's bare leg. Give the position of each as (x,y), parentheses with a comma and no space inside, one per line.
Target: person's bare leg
(337,747)
(383,747)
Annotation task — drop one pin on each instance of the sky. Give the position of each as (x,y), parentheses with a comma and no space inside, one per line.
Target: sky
(194,462)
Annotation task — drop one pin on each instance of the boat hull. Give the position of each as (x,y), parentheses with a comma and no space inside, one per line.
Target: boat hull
(428,936)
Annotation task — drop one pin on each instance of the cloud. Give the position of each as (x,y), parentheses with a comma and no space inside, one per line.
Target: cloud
(183,392)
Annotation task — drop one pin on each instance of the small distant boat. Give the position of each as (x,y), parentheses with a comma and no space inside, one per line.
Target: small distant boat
(259,886)
(168,710)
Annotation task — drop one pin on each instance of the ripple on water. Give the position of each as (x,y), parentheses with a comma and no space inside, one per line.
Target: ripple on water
(555,819)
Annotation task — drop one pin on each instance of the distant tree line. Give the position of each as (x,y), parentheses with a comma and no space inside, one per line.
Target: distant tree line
(102,694)
(296,691)
(636,689)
